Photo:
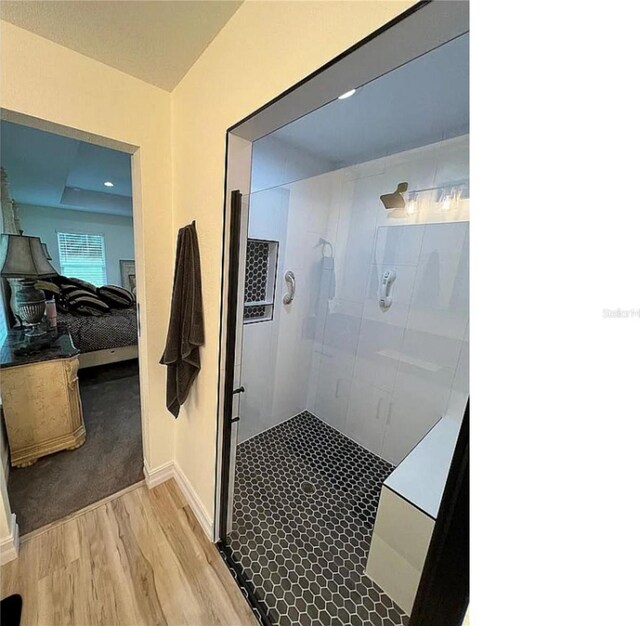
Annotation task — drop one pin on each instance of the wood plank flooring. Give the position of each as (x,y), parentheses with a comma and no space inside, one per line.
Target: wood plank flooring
(138,559)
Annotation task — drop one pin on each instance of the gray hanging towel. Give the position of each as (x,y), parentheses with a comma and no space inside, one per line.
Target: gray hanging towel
(186,327)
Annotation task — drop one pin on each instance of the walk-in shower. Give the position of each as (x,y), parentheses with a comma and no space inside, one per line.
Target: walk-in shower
(354,352)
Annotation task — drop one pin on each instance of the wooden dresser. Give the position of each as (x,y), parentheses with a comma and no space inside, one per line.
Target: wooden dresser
(40,395)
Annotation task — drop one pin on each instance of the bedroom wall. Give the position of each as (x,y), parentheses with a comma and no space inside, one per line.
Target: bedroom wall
(49,82)
(46,222)
(261,52)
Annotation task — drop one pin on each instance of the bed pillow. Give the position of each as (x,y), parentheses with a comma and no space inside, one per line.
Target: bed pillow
(67,289)
(85,303)
(116,297)
(61,303)
(49,288)
(67,293)
(64,289)
(77,282)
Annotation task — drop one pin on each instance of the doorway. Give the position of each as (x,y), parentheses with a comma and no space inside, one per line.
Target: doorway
(345,333)
(71,397)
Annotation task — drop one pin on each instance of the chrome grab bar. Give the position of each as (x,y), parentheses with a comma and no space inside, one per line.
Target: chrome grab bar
(290,279)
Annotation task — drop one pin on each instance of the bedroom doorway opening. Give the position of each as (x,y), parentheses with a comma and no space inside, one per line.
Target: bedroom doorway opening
(71,429)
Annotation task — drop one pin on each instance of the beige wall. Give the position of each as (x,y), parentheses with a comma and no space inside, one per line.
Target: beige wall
(50,82)
(265,48)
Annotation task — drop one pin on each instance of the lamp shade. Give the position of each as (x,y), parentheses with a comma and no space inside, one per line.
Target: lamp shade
(46,251)
(23,257)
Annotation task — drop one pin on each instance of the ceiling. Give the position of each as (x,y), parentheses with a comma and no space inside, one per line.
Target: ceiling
(48,170)
(155,41)
(421,102)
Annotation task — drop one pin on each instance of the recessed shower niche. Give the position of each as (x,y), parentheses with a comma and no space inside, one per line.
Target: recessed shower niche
(260,280)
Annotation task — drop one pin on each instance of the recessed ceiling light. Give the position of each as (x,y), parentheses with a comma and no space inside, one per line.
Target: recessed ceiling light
(108,183)
(347,94)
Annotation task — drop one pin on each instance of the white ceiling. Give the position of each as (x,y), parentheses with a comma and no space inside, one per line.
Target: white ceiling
(156,41)
(48,170)
(421,102)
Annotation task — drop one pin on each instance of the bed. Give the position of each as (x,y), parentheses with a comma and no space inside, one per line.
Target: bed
(104,338)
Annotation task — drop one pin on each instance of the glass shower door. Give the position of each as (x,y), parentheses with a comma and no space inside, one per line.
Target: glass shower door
(258,302)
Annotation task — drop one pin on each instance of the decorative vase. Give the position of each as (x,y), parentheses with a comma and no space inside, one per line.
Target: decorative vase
(27,303)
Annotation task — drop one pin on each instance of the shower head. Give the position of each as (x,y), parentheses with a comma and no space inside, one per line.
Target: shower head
(395,200)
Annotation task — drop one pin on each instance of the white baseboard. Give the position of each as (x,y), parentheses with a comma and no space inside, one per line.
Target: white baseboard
(10,545)
(172,470)
(158,475)
(199,510)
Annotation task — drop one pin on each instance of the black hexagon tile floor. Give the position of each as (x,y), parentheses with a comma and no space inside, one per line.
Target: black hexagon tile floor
(304,507)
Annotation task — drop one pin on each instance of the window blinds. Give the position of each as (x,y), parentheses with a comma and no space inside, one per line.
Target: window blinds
(82,256)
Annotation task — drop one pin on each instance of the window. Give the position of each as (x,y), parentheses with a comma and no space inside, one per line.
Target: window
(82,256)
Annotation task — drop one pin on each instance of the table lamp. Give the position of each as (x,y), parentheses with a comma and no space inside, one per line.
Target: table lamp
(46,251)
(23,258)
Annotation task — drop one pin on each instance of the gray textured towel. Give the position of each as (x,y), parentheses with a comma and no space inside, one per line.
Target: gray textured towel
(186,328)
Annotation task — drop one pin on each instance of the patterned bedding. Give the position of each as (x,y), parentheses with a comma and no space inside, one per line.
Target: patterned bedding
(114,330)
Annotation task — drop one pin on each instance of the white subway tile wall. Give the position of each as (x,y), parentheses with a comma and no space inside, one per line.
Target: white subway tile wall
(380,376)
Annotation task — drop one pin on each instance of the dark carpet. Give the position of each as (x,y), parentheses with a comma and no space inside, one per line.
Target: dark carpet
(110,460)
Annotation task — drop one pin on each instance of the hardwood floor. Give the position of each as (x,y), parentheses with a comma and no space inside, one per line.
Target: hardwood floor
(138,559)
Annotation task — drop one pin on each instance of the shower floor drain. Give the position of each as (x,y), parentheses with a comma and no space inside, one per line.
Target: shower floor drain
(307,487)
